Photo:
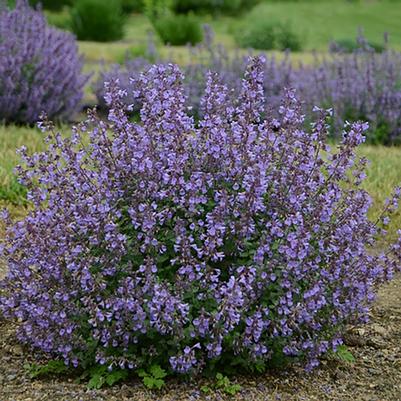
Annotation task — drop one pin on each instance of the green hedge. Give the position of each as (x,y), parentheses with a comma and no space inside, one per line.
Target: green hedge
(178,30)
(97,20)
(262,34)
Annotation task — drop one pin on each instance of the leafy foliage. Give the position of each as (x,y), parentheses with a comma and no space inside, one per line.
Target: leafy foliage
(224,383)
(178,30)
(55,5)
(130,6)
(258,35)
(99,376)
(40,69)
(97,20)
(53,367)
(287,39)
(266,35)
(154,378)
(155,9)
(344,353)
(173,29)
(232,243)
(59,20)
(214,7)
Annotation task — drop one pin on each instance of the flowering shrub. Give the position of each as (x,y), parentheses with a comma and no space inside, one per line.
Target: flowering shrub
(126,79)
(352,45)
(236,241)
(363,85)
(40,69)
(204,57)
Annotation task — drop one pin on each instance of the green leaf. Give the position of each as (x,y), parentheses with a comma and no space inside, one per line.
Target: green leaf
(159,383)
(148,382)
(162,258)
(52,367)
(116,376)
(232,389)
(344,354)
(96,381)
(157,372)
(142,373)
(219,376)
(260,367)
(205,389)
(151,382)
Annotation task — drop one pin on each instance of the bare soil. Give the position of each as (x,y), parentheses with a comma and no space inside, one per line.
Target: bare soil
(375,375)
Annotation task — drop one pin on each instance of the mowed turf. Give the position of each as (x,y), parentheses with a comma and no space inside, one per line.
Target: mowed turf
(383,173)
(319,22)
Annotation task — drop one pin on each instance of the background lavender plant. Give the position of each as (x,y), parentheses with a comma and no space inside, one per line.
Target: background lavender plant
(364,85)
(40,69)
(234,242)
(207,56)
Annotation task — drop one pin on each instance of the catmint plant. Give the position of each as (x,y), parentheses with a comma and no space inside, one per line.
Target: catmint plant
(363,85)
(40,69)
(236,240)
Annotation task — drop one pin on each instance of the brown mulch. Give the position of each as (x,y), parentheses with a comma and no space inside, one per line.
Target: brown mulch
(375,375)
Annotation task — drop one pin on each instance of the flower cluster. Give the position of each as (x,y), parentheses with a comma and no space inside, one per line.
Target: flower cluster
(203,57)
(40,69)
(364,85)
(237,240)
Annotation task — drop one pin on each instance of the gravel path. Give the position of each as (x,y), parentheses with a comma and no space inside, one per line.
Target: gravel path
(375,376)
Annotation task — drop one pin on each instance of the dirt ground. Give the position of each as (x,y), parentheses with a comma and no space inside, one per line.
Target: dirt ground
(375,375)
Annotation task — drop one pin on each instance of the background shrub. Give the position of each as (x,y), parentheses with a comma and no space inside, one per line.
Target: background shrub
(352,45)
(363,85)
(238,244)
(207,6)
(262,34)
(157,8)
(54,5)
(179,29)
(60,20)
(202,58)
(287,39)
(40,69)
(131,71)
(97,20)
(213,6)
(130,6)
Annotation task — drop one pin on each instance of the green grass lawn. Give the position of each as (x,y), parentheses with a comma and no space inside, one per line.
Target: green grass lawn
(383,174)
(319,22)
